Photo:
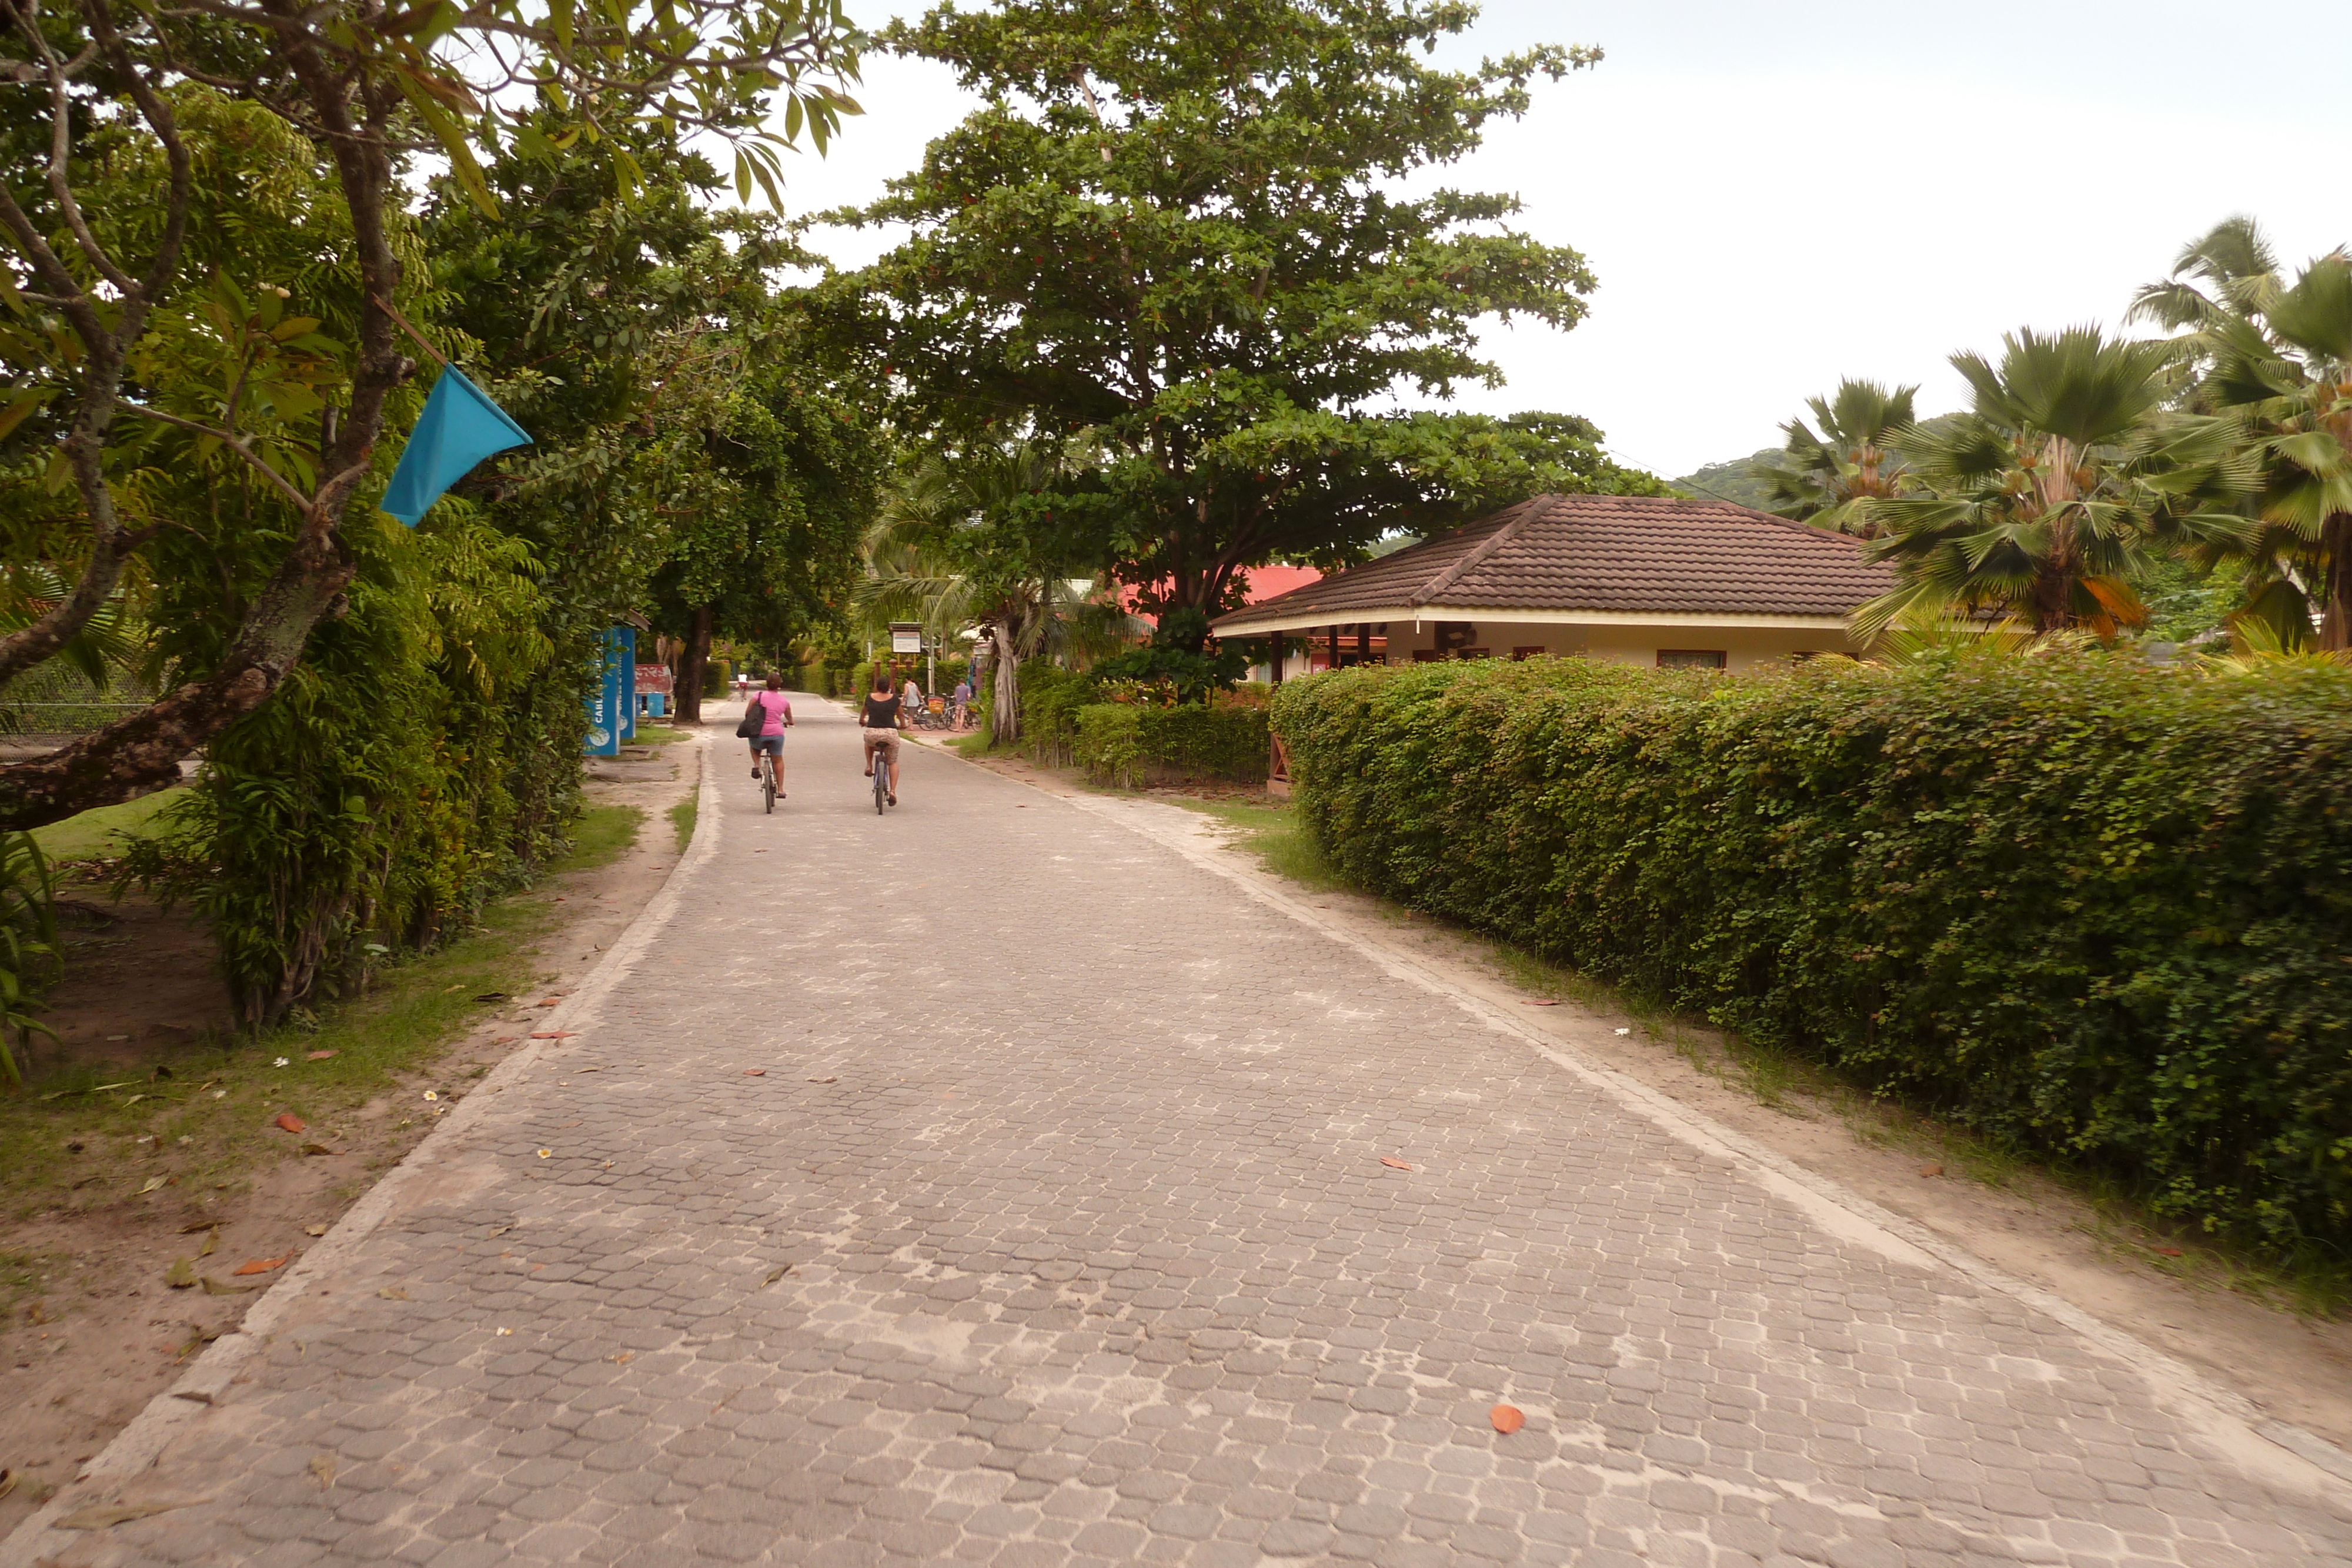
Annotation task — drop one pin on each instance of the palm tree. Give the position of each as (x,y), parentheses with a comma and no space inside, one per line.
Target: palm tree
(2276,359)
(2047,496)
(938,554)
(1825,479)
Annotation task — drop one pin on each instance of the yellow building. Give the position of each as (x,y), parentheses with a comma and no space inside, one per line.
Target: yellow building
(1626,578)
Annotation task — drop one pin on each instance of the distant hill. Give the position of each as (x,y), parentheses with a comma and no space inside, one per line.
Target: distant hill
(1729,481)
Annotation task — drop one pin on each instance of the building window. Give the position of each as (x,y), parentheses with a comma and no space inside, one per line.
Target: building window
(1690,658)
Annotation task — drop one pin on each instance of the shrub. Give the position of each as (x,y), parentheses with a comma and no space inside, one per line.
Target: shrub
(1051,698)
(2076,901)
(1129,745)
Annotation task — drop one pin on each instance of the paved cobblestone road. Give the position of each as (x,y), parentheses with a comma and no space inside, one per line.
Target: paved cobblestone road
(1056,1230)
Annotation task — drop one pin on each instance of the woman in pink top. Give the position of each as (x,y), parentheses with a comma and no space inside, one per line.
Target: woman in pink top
(778,709)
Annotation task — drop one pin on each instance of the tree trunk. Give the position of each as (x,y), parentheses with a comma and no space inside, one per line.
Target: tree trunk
(1005,711)
(2336,621)
(690,665)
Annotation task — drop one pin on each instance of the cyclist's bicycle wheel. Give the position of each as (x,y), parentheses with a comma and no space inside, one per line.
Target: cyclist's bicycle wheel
(881,780)
(768,778)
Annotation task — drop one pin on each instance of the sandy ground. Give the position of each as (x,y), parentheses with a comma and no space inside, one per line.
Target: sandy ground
(77,1366)
(2297,1369)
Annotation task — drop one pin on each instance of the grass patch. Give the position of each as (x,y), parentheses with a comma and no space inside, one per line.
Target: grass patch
(681,819)
(972,745)
(181,1134)
(659,735)
(601,836)
(1273,833)
(99,834)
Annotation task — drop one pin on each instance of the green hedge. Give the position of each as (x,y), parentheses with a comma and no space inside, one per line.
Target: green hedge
(1130,745)
(1051,698)
(2077,902)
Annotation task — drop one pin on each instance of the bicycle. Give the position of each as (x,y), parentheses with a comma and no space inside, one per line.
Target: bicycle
(768,789)
(881,780)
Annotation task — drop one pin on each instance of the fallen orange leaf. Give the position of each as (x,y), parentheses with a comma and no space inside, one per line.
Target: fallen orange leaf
(291,1123)
(755,1072)
(1507,1418)
(319,1056)
(2167,1251)
(1394,1164)
(263,1265)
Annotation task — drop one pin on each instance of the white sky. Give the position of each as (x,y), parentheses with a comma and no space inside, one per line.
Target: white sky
(1774,196)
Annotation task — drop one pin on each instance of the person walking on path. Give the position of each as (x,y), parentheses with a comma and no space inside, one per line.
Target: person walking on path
(882,718)
(778,709)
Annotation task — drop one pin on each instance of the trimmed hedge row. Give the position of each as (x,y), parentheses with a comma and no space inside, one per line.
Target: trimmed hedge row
(2077,902)
(1130,745)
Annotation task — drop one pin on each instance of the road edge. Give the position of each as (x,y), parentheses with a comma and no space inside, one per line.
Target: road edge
(136,1448)
(2278,1450)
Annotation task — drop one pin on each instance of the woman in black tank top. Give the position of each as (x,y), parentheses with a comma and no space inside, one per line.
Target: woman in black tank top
(880,723)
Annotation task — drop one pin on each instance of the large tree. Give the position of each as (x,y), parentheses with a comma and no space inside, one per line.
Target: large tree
(90,273)
(1182,229)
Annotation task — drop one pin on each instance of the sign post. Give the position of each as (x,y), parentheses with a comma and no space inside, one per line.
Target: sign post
(625,640)
(609,699)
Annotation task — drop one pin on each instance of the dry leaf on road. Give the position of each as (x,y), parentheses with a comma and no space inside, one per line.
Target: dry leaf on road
(314,1230)
(263,1265)
(318,1056)
(392,1293)
(216,1288)
(1507,1418)
(153,1183)
(182,1274)
(320,1149)
(323,1467)
(835,1079)
(291,1123)
(555,1034)
(1394,1164)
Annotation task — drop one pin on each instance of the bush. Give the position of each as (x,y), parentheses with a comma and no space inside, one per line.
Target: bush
(714,677)
(1130,745)
(1051,698)
(2074,902)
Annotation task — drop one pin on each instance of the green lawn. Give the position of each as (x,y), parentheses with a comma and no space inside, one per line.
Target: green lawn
(99,834)
(601,836)
(681,817)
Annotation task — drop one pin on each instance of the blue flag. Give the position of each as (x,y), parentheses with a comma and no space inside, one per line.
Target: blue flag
(459,427)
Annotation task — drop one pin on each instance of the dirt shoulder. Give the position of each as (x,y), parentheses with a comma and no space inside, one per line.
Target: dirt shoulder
(187,1161)
(2193,1302)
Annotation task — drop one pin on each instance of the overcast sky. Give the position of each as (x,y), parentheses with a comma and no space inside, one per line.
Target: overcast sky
(1773,197)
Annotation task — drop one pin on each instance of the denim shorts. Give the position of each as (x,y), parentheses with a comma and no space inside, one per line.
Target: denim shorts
(760,743)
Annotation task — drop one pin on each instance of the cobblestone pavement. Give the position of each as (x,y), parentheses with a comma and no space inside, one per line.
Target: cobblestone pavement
(1057,1227)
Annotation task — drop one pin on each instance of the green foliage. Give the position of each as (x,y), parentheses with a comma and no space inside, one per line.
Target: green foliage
(1051,698)
(1129,745)
(1177,232)
(1828,479)
(28,943)
(413,767)
(2074,902)
(2054,493)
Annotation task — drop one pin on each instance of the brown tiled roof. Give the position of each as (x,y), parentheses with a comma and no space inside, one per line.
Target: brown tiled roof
(1613,553)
